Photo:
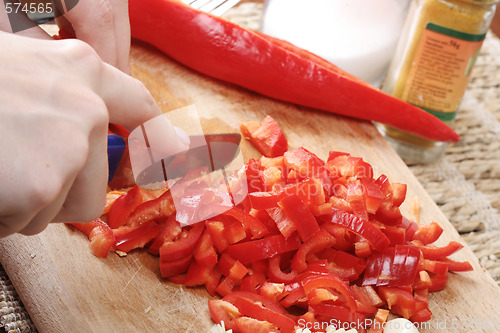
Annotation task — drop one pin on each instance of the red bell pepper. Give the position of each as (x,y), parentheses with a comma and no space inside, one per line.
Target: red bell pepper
(285,225)
(264,248)
(251,223)
(330,281)
(182,247)
(266,136)
(129,238)
(364,228)
(302,218)
(346,266)
(159,208)
(428,233)
(100,235)
(251,325)
(256,310)
(276,274)
(434,252)
(395,266)
(317,242)
(125,205)
(226,51)
(223,311)
(204,252)
(398,300)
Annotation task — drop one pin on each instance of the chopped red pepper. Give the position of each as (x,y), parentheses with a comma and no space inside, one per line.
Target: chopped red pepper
(264,248)
(395,266)
(100,235)
(433,252)
(327,238)
(365,229)
(302,218)
(129,238)
(266,136)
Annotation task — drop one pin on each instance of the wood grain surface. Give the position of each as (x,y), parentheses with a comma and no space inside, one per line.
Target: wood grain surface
(66,289)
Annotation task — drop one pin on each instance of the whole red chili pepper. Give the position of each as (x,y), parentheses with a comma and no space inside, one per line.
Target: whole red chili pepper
(274,68)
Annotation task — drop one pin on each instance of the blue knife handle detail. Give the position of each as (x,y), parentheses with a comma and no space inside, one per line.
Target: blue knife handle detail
(116,147)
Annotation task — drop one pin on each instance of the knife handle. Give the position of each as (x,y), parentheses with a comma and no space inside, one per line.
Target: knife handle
(116,147)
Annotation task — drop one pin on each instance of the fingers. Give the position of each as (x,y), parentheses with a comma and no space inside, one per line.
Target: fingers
(40,221)
(129,102)
(104,25)
(121,24)
(85,200)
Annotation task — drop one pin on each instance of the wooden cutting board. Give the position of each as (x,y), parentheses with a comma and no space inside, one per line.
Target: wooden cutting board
(66,289)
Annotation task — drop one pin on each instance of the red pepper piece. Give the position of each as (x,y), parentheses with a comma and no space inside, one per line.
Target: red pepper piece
(438,253)
(438,282)
(216,230)
(457,266)
(330,281)
(182,247)
(100,235)
(346,266)
(297,211)
(318,242)
(221,49)
(276,274)
(250,283)
(365,229)
(397,235)
(125,205)
(428,233)
(285,225)
(251,325)
(411,228)
(356,199)
(170,230)
(204,253)
(170,268)
(251,223)
(236,273)
(159,208)
(345,165)
(266,136)
(264,248)
(129,238)
(435,267)
(258,311)
(395,266)
(373,195)
(265,200)
(332,311)
(198,274)
(223,311)
(398,300)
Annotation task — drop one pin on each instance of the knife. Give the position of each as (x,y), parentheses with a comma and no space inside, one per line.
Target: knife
(211,151)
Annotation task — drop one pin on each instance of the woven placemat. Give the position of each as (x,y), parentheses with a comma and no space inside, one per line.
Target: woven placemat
(465,184)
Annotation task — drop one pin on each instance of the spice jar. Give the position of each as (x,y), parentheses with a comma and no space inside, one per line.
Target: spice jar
(432,65)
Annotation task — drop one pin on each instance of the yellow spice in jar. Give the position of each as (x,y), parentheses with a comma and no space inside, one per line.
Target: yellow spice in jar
(433,61)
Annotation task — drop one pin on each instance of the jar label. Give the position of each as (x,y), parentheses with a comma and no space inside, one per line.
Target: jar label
(441,70)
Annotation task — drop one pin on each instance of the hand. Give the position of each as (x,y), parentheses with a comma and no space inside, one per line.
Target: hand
(104,25)
(57,99)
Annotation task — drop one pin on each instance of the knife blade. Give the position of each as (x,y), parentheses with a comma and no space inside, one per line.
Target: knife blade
(213,151)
